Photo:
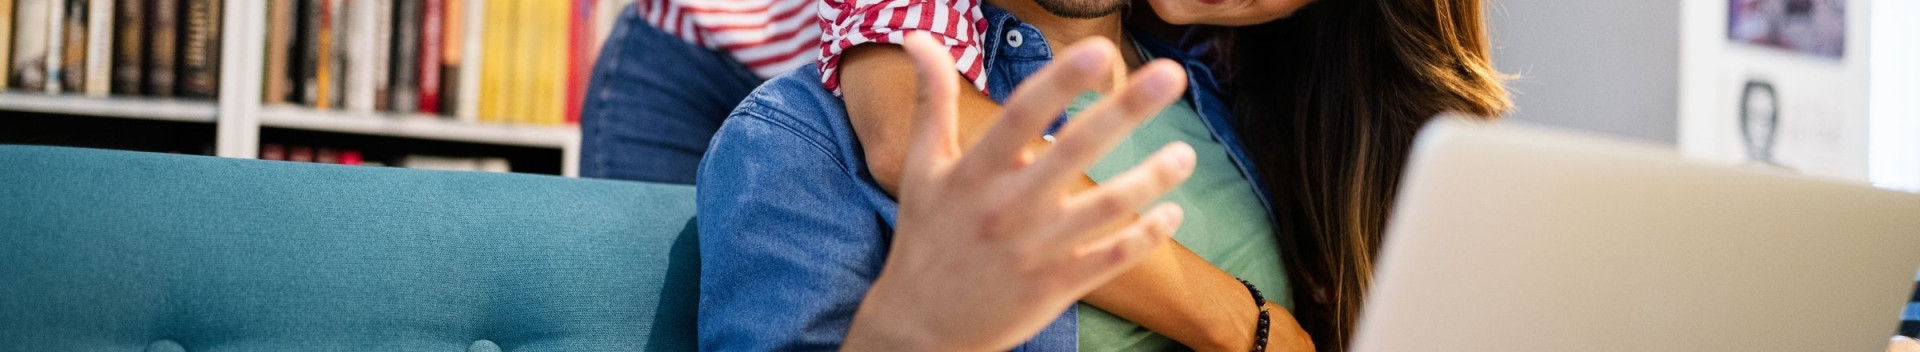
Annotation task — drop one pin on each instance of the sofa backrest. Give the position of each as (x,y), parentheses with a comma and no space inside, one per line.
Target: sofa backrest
(125,251)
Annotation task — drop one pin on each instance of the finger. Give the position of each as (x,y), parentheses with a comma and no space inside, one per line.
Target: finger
(1122,196)
(1090,135)
(1038,102)
(1103,258)
(934,142)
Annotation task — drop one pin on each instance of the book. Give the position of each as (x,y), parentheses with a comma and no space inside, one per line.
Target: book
(406,56)
(452,49)
(280,48)
(163,25)
(73,45)
(428,66)
(29,61)
(579,62)
(332,54)
(551,70)
(129,46)
(99,62)
(467,106)
(520,53)
(382,51)
(312,14)
(273,151)
(56,46)
(447,163)
(362,24)
(494,48)
(200,56)
(6,42)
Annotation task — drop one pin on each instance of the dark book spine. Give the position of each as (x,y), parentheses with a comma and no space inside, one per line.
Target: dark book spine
(200,54)
(73,56)
(163,26)
(406,56)
(433,12)
(307,83)
(128,41)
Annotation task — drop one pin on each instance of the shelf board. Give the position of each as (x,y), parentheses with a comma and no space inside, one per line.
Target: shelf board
(143,108)
(418,126)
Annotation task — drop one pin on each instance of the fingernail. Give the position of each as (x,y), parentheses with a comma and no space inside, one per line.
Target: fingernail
(1182,155)
(1160,84)
(1170,220)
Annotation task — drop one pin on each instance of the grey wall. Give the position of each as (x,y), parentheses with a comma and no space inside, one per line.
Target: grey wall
(1608,66)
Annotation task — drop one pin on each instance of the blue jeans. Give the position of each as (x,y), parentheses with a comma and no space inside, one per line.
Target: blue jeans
(653,103)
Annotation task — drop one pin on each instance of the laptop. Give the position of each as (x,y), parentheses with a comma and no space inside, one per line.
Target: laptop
(1510,238)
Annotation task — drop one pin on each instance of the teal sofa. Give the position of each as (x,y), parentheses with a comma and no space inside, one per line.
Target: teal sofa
(126,251)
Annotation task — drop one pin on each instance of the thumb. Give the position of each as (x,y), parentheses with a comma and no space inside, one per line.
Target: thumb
(934,141)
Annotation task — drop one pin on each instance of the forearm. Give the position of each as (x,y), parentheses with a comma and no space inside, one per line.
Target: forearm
(1175,292)
(1178,294)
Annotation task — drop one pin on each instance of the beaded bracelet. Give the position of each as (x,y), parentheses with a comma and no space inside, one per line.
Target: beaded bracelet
(1260,329)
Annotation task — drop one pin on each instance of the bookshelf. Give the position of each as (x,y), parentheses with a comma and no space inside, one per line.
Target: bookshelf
(239,117)
(198,111)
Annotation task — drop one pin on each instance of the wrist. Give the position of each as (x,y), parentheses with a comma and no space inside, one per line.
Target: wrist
(884,322)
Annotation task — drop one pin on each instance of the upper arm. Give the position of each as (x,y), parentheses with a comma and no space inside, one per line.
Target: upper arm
(787,249)
(880,103)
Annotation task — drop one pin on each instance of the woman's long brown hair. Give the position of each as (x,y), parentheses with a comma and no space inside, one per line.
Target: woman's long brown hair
(1327,102)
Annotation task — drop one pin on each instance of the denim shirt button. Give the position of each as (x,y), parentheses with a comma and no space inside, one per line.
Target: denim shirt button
(1015,39)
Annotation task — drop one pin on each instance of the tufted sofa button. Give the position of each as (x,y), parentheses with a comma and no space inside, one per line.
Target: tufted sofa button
(165,346)
(483,346)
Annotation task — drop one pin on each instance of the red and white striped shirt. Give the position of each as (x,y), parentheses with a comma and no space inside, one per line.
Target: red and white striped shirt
(769,36)
(956,23)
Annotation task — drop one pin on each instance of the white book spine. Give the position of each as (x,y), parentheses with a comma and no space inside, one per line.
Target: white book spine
(469,100)
(56,45)
(359,74)
(99,47)
(29,41)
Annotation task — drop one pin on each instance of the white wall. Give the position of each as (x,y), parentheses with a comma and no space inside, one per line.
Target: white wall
(1894,147)
(1607,66)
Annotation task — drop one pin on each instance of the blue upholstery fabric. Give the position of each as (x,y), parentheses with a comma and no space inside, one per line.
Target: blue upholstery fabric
(124,251)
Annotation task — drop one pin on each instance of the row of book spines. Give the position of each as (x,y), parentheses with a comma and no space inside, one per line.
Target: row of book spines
(528,63)
(308,154)
(525,61)
(100,46)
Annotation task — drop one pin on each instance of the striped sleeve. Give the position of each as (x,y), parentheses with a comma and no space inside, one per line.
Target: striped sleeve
(956,23)
(769,37)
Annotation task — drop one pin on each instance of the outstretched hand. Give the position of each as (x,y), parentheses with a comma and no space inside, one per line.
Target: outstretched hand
(990,246)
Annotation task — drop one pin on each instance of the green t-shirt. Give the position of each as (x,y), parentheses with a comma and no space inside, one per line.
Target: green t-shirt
(1224,221)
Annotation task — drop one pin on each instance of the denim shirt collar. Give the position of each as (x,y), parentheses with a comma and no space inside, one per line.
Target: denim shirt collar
(1015,50)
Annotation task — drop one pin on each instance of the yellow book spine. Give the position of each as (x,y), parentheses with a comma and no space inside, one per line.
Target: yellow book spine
(516,103)
(552,67)
(494,47)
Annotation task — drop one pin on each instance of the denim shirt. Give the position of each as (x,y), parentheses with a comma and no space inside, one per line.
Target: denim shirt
(793,228)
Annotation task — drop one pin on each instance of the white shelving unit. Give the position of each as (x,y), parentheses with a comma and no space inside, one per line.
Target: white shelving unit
(239,115)
(121,107)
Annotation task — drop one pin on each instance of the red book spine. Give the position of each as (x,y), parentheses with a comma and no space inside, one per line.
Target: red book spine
(431,36)
(580,63)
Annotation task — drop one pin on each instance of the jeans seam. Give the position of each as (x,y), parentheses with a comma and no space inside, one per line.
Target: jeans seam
(623,32)
(750,109)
